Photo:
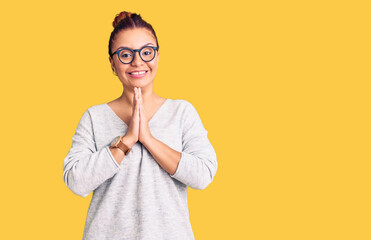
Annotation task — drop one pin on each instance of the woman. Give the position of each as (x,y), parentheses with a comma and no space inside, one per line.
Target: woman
(139,152)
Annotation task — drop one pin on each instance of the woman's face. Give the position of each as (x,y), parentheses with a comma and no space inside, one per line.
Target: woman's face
(134,39)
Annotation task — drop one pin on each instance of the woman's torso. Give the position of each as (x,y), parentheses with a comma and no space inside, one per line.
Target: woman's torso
(141,201)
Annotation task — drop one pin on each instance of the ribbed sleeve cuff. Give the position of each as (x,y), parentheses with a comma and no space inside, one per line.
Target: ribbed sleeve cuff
(179,170)
(112,157)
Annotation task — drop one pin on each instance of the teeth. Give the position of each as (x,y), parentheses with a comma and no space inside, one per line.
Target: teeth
(137,73)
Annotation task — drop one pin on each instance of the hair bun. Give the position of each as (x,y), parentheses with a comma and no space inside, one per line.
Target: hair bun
(121,16)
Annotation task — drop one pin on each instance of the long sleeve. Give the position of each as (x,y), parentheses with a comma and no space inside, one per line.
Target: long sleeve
(198,163)
(85,167)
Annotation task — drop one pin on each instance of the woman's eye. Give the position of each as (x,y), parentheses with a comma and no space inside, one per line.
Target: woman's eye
(125,55)
(147,53)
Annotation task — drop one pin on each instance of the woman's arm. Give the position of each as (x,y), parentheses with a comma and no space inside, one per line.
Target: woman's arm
(196,165)
(85,168)
(165,156)
(117,153)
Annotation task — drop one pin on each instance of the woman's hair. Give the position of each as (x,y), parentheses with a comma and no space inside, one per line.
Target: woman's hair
(127,20)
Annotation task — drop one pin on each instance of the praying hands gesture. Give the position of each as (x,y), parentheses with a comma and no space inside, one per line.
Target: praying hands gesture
(165,156)
(138,126)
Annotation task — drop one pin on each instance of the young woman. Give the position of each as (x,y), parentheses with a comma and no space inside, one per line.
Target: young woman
(139,152)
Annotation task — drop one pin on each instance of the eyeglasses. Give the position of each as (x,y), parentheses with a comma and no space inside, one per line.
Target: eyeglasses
(126,55)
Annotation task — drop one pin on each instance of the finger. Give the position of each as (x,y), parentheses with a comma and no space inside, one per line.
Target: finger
(136,111)
(134,99)
(137,96)
(142,110)
(135,102)
(135,93)
(139,107)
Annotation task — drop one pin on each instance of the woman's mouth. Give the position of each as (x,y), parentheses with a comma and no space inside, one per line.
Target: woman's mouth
(138,74)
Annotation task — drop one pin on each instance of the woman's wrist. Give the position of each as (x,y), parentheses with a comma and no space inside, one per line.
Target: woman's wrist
(117,154)
(147,141)
(128,141)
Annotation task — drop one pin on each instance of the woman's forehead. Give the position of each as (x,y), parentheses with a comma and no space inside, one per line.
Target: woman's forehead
(134,38)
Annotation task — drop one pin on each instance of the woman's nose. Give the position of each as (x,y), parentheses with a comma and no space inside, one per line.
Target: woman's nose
(137,61)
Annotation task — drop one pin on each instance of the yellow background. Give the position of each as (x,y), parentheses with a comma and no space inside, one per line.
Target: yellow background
(283,88)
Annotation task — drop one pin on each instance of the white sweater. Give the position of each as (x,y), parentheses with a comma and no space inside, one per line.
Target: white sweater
(138,199)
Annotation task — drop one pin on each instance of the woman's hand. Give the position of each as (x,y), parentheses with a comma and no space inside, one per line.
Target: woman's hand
(133,132)
(144,132)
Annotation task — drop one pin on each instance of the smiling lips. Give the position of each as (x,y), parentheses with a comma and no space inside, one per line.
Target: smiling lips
(138,74)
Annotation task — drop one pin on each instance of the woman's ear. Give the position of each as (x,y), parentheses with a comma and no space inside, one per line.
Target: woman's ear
(112,64)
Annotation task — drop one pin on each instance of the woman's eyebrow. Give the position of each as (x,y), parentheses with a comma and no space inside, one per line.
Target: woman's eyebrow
(141,46)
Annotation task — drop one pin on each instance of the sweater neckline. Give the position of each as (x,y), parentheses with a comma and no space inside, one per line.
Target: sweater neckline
(153,117)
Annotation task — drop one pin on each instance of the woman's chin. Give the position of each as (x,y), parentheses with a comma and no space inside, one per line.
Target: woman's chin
(140,84)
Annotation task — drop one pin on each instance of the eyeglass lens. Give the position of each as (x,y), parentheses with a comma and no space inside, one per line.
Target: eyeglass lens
(147,54)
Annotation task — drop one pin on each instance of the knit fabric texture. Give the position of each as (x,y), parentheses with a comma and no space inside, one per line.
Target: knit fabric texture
(138,199)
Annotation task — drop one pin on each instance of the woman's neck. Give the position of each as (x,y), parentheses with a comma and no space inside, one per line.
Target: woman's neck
(128,95)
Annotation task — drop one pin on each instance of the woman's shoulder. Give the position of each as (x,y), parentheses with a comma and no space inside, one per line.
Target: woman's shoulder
(184,107)
(96,110)
(97,107)
(183,103)
(173,105)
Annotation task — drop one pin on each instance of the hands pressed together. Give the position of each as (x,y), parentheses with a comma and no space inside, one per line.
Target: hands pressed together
(138,126)
(138,129)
